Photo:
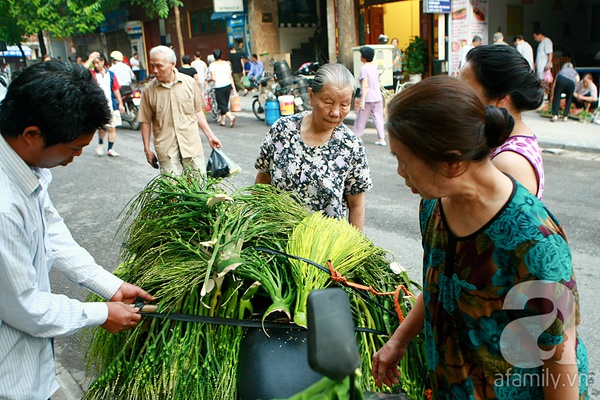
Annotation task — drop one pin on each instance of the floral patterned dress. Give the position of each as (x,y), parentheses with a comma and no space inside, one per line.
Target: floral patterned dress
(480,289)
(323,175)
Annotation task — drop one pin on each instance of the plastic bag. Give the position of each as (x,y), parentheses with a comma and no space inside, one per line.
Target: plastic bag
(221,166)
(246,82)
(235,104)
(548,76)
(207,104)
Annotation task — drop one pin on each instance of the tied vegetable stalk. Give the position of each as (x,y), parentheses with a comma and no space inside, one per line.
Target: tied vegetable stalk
(192,243)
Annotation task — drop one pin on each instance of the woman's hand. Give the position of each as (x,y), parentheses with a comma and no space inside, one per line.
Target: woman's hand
(385,363)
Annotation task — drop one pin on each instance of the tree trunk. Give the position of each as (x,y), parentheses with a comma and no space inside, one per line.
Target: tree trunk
(22,54)
(40,36)
(179,33)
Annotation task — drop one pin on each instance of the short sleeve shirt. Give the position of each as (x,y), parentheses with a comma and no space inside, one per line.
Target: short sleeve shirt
(172,112)
(591,90)
(371,74)
(466,282)
(544,49)
(323,175)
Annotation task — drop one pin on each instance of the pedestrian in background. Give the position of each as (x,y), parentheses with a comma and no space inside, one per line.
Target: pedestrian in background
(201,67)
(187,69)
(136,66)
(34,238)
(503,78)
(544,53)
(371,100)
(219,73)
(109,83)
(257,69)
(525,49)
(565,82)
(499,39)
(122,71)
(396,62)
(586,94)
(237,69)
(171,110)
(484,275)
(476,41)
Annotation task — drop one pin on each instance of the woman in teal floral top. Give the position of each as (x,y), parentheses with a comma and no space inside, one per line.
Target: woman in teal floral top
(499,307)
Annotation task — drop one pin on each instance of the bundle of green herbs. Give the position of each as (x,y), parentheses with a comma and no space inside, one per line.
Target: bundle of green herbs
(195,245)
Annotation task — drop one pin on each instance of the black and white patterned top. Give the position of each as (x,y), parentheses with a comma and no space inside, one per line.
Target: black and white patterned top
(322,175)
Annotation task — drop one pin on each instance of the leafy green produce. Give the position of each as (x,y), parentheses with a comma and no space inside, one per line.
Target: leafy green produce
(195,245)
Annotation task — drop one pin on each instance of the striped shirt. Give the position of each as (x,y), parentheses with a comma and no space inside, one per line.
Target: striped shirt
(33,239)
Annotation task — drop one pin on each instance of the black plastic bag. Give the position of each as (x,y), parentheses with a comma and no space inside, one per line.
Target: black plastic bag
(217,165)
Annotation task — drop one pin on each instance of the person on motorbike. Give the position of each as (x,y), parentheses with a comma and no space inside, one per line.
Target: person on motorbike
(257,69)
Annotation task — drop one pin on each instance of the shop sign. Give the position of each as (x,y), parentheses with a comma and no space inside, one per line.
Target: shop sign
(228,5)
(437,6)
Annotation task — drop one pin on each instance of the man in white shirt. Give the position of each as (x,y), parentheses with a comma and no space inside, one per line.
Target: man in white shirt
(525,49)
(544,54)
(123,72)
(466,48)
(586,93)
(201,67)
(34,237)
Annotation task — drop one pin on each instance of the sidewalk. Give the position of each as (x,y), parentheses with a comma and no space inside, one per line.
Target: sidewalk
(570,135)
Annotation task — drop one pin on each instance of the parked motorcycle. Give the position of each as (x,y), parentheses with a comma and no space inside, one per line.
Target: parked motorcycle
(308,70)
(289,361)
(284,84)
(131,102)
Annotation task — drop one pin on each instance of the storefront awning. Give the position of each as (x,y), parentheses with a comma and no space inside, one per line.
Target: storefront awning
(13,51)
(222,16)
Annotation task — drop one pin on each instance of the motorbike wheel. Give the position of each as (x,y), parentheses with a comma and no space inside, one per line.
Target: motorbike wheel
(259,111)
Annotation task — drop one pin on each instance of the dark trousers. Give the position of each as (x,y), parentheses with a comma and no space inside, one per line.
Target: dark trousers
(566,86)
(237,79)
(581,104)
(222,94)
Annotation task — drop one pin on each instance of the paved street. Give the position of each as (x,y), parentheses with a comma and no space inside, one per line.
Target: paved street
(92,191)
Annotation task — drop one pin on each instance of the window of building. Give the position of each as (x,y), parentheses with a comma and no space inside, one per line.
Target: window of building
(200,23)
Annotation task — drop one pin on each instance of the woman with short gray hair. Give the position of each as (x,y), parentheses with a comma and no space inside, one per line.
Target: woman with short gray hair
(315,155)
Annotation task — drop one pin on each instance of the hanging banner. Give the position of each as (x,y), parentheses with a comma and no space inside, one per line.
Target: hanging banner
(228,5)
(467,19)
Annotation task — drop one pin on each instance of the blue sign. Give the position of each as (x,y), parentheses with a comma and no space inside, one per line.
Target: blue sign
(437,6)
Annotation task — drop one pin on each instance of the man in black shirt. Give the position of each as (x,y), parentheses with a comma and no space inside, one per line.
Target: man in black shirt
(237,68)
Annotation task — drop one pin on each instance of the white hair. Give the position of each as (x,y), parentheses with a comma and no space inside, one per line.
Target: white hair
(333,73)
(167,51)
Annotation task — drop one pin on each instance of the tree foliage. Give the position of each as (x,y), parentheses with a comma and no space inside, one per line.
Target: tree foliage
(158,7)
(60,17)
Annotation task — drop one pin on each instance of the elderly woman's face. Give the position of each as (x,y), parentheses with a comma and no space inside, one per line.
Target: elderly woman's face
(331,105)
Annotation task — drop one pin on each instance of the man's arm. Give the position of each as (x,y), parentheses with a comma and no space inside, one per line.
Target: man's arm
(146,135)
(203,124)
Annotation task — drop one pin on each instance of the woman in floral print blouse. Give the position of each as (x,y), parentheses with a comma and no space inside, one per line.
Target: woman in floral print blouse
(315,155)
(499,306)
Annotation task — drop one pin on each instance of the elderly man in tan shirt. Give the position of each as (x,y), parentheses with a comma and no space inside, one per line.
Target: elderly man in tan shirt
(173,105)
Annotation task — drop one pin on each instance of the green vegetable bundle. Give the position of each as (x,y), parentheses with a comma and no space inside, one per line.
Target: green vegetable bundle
(194,244)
